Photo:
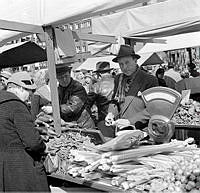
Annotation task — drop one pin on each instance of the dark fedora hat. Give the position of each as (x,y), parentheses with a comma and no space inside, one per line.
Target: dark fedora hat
(125,50)
(103,66)
(62,68)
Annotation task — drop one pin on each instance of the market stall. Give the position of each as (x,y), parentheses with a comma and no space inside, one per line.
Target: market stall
(187,120)
(76,155)
(140,168)
(130,162)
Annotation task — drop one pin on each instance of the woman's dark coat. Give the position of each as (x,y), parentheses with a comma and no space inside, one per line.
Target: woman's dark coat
(20,148)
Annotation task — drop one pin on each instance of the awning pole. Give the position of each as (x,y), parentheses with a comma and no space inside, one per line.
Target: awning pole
(51,61)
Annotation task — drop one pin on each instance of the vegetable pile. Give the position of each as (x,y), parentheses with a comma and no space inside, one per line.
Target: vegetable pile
(61,147)
(188,114)
(165,168)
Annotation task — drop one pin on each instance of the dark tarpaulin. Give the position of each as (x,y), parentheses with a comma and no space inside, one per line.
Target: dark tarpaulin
(152,60)
(26,53)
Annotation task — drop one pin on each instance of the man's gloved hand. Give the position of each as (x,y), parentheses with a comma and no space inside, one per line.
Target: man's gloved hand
(109,120)
(47,109)
(121,123)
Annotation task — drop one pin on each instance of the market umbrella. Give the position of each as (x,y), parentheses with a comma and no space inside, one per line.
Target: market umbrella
(20,54)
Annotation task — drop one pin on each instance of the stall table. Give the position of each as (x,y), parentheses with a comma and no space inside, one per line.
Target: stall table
(182,132)
(102,185)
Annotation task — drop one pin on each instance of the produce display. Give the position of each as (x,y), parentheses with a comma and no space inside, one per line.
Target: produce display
(175,172)
(127,164)
(188,114)
(172,167)
(61,147)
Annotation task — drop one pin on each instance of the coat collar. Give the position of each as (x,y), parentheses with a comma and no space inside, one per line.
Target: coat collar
(6,96)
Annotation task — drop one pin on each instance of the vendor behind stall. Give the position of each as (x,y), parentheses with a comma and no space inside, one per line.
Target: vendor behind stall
(72,99)
(21,146)
(129,109)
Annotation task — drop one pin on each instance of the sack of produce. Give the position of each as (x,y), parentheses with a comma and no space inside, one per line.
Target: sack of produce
(123,141)
(51,163)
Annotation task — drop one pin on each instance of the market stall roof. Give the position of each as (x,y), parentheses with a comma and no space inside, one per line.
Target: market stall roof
(146,59)
(173,43)
(22,17)
(26,16)
(156,20)
(149,59)
(22,53)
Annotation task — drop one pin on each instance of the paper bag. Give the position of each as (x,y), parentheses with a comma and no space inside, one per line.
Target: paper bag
(51,163)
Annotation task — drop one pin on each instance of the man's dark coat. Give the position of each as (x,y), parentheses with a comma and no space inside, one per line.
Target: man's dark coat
(73,100)
(133,108)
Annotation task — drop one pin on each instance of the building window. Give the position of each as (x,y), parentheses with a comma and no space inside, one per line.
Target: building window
(70,27)
(76,26)
(78,49)
(84,48)
(85,24)
(82,25)
(88,23)
(28,38)
(23,39)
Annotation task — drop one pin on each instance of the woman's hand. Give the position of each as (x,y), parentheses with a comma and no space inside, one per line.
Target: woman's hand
(47,109)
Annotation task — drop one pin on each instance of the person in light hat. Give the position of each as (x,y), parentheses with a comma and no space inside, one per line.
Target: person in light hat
(102,90)
(72,99)
(4,76)
(128,108)
(21,84)
(21,146)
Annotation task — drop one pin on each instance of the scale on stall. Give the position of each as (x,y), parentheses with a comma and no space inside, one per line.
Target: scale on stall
(161,103)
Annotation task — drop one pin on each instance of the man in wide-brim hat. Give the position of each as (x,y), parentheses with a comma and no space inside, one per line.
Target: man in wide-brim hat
(103,66)
(126,50)
(72,98)
(133,80)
